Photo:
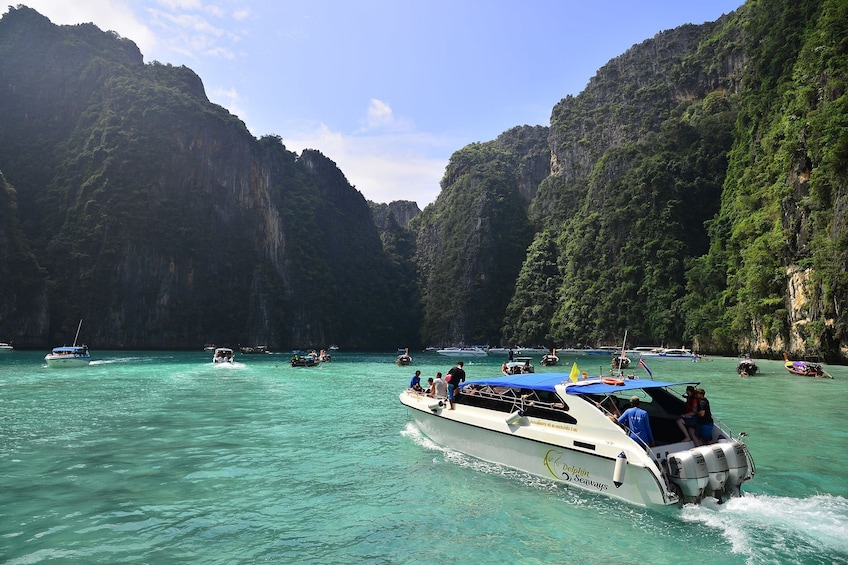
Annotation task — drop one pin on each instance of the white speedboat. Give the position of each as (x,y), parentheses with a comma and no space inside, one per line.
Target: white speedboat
(520,366)
(663,353)
(222,355)
(68,356)
(6,347)
(679,353)
(546,425)
(463,352)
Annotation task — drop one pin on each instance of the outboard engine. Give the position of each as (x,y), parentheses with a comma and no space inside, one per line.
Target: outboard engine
(717,468)
(688,470)
(738,469)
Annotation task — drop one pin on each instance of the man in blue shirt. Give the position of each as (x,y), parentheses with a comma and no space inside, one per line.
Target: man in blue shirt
(637,422)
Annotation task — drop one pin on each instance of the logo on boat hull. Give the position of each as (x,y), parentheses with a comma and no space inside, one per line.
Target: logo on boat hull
(570,473)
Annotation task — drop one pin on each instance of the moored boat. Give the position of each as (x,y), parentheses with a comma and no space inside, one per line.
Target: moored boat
(69,356)
(620,362)
(403,358)
(6,347)
(550,359)
(463,352)
(519,366)
(546,425)
(303,359)
(258,349)
(805,368)
(222,355)
(745,366)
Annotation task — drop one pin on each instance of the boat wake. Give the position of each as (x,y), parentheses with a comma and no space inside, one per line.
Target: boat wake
(235,365)
(122,360)
(767,528)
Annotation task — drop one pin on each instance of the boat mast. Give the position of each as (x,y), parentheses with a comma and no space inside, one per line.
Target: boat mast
(622,355)
(78,331)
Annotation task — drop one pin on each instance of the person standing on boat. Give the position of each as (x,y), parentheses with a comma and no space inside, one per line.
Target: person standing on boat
(636,420)
(457,377)
(705,417)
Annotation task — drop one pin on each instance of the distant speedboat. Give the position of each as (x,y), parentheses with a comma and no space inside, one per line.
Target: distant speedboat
(254,350)
(6,347)
(667,353)
(69,356)
(463,352)
(520,366)
(222,355)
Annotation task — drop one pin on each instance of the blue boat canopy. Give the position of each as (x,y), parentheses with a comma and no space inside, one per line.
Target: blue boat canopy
(548,381)
(70,349)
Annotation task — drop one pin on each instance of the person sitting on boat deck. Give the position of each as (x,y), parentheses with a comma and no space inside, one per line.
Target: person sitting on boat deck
(456,376)
(504,368)
(688,421)
(636,420)
(415,383)
(440,387)
(431,387)
(705,417)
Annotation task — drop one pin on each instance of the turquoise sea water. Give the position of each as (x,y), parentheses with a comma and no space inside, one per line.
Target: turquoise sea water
(166,458)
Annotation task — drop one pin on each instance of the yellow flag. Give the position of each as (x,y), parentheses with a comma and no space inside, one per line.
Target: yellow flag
(574,372)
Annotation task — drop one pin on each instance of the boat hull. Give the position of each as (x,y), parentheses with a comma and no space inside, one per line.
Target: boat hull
(540,450)
(66,361)
(464,352)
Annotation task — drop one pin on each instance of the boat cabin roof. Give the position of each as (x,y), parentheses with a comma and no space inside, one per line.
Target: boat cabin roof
(69,348)
(549,381)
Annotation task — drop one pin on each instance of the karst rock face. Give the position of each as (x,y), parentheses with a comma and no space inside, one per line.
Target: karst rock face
(133,202)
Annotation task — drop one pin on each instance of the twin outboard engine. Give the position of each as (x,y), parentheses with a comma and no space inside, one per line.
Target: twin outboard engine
(688,470)
(709,470)
(739,469)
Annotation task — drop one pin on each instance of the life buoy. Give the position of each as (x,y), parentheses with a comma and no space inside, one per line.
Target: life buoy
(611,381)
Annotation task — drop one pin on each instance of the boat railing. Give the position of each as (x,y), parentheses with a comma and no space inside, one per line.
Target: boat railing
(508,399)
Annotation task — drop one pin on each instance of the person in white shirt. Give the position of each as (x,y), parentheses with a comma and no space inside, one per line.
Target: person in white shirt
(440,387)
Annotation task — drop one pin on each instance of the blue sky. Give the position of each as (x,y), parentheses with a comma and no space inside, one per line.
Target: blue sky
(388,89)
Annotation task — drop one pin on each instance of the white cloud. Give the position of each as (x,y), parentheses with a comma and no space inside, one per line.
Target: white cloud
(108,15)
(382,167)
(379,114)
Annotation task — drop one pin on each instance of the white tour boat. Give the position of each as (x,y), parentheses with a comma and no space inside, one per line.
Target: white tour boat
(547,425)
(6,347)
(69,355)
(463,352)
(222,355)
